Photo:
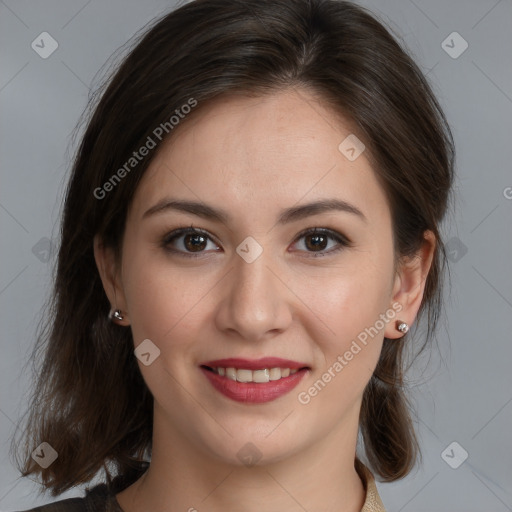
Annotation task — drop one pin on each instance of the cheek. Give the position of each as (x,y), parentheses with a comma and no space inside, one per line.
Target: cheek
(347,300)
(349,303)
(165,307)
(159,297)
(348,342)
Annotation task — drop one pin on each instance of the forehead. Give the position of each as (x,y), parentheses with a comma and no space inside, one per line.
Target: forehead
(258,154)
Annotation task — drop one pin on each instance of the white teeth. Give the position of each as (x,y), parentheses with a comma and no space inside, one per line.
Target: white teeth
(275,373)
(231,373)
(260,376)
(244,375)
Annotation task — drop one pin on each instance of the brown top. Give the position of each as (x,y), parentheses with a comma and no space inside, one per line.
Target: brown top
(101,499)
(372,503)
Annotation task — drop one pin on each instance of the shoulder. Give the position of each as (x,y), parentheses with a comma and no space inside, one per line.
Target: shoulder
(97,499)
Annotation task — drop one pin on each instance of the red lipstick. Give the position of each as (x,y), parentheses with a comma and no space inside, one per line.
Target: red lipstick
(254,392)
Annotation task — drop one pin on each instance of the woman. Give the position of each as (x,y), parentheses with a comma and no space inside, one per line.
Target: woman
(250,228)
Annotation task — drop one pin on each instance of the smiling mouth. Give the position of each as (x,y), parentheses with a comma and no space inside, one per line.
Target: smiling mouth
(261,376)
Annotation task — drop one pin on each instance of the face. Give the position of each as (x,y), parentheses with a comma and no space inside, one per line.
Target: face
(249,271)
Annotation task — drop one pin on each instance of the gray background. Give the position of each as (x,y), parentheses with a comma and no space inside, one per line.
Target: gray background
(463,392)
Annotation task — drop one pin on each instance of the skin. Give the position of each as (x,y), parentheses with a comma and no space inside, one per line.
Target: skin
(254,157)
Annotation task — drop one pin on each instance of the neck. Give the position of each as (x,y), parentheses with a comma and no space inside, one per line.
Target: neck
(184,476)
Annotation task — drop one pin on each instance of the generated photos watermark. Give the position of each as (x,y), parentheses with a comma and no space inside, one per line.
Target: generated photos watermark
(159,133)
(304,397)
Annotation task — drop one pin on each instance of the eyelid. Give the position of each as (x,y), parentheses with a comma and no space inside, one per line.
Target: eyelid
(187,230)
(325,231)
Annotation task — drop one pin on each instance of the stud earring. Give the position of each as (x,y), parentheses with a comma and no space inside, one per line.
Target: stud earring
(115,313)
(402,326)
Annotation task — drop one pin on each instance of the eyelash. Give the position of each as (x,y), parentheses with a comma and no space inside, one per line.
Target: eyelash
(334,235)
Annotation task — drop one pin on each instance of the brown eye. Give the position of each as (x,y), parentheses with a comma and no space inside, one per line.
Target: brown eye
(188,242)
(323,242)
(316,242)
(194,242)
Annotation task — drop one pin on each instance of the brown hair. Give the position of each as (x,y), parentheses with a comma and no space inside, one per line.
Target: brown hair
(91,403)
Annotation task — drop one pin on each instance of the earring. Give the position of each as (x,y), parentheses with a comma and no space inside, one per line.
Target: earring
(115,313)
(402,326)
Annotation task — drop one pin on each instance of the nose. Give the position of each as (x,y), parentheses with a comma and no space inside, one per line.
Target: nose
(255,304)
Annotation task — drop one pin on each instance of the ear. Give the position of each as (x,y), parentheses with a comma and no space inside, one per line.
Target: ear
(109,271)
(409,284)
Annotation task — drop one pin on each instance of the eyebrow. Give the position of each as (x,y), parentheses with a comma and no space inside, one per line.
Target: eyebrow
(286,216)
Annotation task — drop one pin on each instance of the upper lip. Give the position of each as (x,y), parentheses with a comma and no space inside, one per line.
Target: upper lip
(255,364)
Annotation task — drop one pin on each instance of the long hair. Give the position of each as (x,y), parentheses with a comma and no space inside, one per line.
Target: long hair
(90,402)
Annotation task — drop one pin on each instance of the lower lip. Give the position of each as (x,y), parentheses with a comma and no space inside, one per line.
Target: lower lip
(254,392)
